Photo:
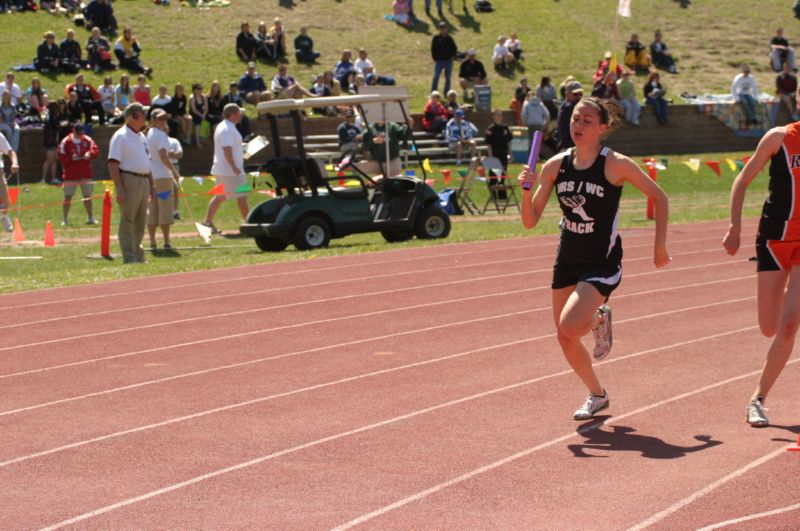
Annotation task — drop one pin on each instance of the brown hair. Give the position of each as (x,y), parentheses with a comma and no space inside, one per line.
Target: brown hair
(608,111)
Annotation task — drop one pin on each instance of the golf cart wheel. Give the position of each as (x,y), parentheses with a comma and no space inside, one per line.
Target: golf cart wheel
(311,233)
(274,245)
(432,223)
(397,235)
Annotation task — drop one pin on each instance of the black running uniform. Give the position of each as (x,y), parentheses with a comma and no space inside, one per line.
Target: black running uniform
(590,249)
(778,240)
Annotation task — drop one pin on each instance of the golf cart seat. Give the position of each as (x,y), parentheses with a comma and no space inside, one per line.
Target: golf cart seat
(295,175)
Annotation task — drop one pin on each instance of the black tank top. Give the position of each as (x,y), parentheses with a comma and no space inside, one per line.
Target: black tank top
(590,207)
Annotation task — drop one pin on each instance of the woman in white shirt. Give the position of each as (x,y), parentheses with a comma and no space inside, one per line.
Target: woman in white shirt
(107,94)
(514,46)
(502,56)
(123,94)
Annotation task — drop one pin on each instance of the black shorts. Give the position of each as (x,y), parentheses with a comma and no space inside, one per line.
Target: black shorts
(604,275)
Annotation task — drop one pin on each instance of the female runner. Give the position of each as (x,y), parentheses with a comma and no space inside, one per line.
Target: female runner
(588,181)
(777,250)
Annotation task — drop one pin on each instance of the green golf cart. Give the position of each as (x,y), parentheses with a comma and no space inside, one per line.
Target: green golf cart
(311,207)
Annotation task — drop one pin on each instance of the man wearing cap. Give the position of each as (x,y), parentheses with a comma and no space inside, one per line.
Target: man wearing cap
(375,138)
(228,167)
(349,133)
(253,87)
(76,153)
(129,167)
(165,177)
(461,132)
(443,50)
(471,72)
(572,95)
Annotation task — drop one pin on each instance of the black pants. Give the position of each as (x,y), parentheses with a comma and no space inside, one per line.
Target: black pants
(93,107)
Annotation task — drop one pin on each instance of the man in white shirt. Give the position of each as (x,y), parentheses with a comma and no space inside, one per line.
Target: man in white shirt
(501,55)
(228,167)
(5,200)
(363,64)
(13,88)
(285,86)
(745,92)
(165,176)
(129,167)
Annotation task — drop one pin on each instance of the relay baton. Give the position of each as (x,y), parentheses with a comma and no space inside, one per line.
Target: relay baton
(533,157)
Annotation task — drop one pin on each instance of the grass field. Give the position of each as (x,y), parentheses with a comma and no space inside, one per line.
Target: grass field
(693,197)
(560,37)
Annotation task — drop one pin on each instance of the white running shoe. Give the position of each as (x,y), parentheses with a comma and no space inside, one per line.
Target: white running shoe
(7,223)
(755,414)
(593,404)
(602,334)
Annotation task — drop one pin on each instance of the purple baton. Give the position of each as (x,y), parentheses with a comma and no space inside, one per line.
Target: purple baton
(533,157)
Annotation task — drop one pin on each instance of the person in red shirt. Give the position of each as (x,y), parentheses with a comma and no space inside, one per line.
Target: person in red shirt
(435,115)
(76,153)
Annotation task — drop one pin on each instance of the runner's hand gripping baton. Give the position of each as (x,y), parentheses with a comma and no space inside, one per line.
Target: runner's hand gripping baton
(533,157)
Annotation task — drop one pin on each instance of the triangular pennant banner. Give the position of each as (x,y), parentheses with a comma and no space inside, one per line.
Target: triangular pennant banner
(693,164)
(731,164)
(410,173)
(198,180)
(270,193)
(426,165)
(180,182)
(746,159)
(13,195)
(217,190)
(463,172)
(739,164)
(204,232)
(430,182)
(243,188)
(164,195)
(714,165)
(665,162)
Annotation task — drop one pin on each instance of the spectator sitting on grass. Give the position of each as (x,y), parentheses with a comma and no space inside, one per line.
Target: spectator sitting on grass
(401,11)
(70,51)
(786,90)
(285,86)
(603,67)
(780,52)
(141,92)
(435,115)
(514,46)
(37,98)
(320,89)
(88,99)
(8,121)
(502,56)
(607,89)
(364,64)
(627,99)
(161,101)
(278,37)
(745,92)
(99,52)
(332,83)
(636,56)
(215,104)
(48,56)
(265,44)
(235,96)
(344,71)
(547,93)
(471,72)
(654,96)
(361,82)
(349,134)
(100,13)
(123,94)
(535,115)
(304,47)
(461,132)
(246,44)
(127,50)
(252,85)
(661,56)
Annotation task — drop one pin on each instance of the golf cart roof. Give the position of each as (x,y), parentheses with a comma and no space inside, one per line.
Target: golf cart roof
(286,105)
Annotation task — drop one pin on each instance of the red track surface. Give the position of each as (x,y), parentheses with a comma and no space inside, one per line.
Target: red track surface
(418,388)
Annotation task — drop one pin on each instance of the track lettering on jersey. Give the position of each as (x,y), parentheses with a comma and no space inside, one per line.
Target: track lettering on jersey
(578,228)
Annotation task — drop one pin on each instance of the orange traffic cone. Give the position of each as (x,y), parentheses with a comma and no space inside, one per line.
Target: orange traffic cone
(19,236)
(49,239)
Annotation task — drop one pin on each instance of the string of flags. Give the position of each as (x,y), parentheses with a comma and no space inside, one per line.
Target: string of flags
(695,164)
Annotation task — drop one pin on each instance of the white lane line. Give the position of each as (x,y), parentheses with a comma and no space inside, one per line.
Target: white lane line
(449,301)
(250,292)
(534,241)
(680,504)
(162,324)
(748,518)
(261,276)
(395,420)
(369,340)
(324,385)
(524,453)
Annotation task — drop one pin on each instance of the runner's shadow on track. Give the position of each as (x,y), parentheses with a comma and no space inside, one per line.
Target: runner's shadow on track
(790,429)
(623,439)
